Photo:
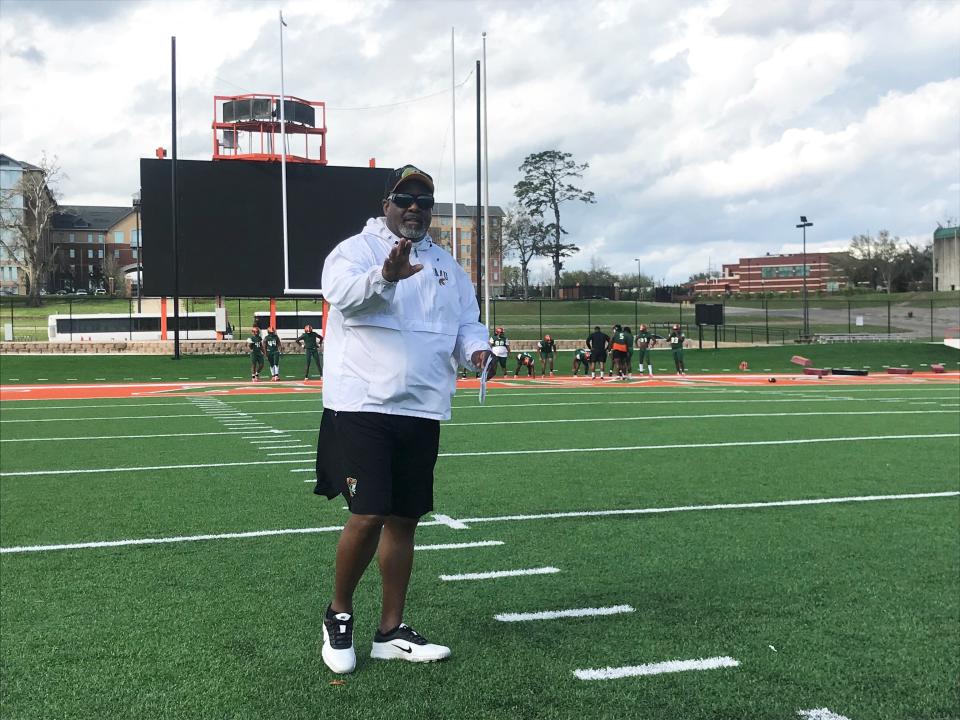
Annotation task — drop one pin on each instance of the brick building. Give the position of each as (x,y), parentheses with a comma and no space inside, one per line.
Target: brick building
(90,238)
(467,252)
(776,274)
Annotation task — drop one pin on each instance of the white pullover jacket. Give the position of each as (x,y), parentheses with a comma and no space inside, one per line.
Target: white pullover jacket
(395,347)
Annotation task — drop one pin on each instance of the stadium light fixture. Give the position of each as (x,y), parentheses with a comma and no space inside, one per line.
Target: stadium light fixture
(803,225)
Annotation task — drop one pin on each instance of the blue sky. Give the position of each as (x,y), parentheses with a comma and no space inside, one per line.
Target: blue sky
(709,127)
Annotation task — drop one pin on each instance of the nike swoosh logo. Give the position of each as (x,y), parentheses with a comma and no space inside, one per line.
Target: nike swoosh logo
(401,647)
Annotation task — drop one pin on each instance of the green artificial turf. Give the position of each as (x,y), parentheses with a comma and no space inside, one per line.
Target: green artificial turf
(853,607)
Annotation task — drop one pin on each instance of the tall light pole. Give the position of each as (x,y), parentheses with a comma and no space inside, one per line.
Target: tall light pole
(636,304)
(803,225)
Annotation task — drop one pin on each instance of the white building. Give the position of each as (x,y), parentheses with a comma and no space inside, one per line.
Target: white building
(946,259)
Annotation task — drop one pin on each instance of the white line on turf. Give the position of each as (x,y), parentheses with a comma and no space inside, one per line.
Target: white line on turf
(457,546)
(492,575)
(701,417)
(746,443)
(670,666)
(311,451)
(520,422)
(494,406)
(723,506)
(556,614)
(821,714)
(148,435)
(514,452)
(505,518)
(450,522)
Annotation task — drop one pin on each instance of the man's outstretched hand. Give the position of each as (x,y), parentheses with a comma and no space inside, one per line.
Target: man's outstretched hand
(480,357)
(397,265)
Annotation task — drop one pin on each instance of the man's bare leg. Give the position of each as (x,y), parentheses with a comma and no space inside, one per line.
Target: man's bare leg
(355,550)
(395,555)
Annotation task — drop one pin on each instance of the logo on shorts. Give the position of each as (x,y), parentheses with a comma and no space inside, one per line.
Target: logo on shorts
(352,486)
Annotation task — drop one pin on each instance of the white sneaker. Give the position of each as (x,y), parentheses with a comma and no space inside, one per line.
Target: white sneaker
(338,651)
(405,643)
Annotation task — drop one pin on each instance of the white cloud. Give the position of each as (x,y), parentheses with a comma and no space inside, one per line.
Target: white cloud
(709,125)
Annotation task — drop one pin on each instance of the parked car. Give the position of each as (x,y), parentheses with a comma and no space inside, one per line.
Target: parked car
(80,292)
(99,291)
(62,292)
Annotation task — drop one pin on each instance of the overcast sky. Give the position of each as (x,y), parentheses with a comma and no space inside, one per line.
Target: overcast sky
(709,127)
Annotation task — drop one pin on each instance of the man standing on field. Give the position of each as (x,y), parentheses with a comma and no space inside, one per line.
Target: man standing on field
(403,316)
(598,341)
(311,343)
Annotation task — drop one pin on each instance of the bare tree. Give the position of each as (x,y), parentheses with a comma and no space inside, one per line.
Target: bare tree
(26,215)
(523,238)
(114,276)
(546,184)
(871,259)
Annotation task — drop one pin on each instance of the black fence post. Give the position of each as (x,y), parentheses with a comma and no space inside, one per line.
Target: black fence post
(931,319)
(494,312)
(296,310)
(130,315)
(766,318)
(588,316)
(888,317)
(70,315)
(540,305)
(848,318)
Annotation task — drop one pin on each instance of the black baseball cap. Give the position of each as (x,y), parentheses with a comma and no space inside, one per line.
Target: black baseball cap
(404,173)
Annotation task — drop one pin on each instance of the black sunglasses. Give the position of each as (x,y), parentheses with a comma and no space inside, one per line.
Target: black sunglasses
(405,200)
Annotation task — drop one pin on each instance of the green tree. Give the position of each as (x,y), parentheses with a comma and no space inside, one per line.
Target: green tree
(546,185)
(877,261)
(523,238)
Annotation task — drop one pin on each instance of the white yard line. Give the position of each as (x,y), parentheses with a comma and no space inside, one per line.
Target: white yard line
(145,435)
(501,518)
(489,453)
(556,614)
(670,666)
(821,714)
(450,522)
(495,406)
(311,451)
(700,417)
(525,422)
(186,466)
(457,546)
(723,506)
(500,574)
(748,443)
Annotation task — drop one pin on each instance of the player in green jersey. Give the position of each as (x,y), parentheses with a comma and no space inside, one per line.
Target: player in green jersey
(500,346)
(547,349)
(628,336)
(581,357)
(677,340)
(645,342)
(525,360)
(274,348)
(619,347)
(255,346)
(311,342)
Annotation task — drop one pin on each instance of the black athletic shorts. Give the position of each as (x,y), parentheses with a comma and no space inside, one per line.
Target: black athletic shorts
(619,355)
(598,357)
(381,464)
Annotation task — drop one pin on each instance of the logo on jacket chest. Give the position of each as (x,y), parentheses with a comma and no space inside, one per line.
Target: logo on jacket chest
(442,277)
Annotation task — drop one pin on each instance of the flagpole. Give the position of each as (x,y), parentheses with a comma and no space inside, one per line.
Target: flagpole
(454,242)
(486,198)
(283,162)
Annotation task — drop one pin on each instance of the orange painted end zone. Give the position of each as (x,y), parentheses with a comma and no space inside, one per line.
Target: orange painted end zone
(130,390)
